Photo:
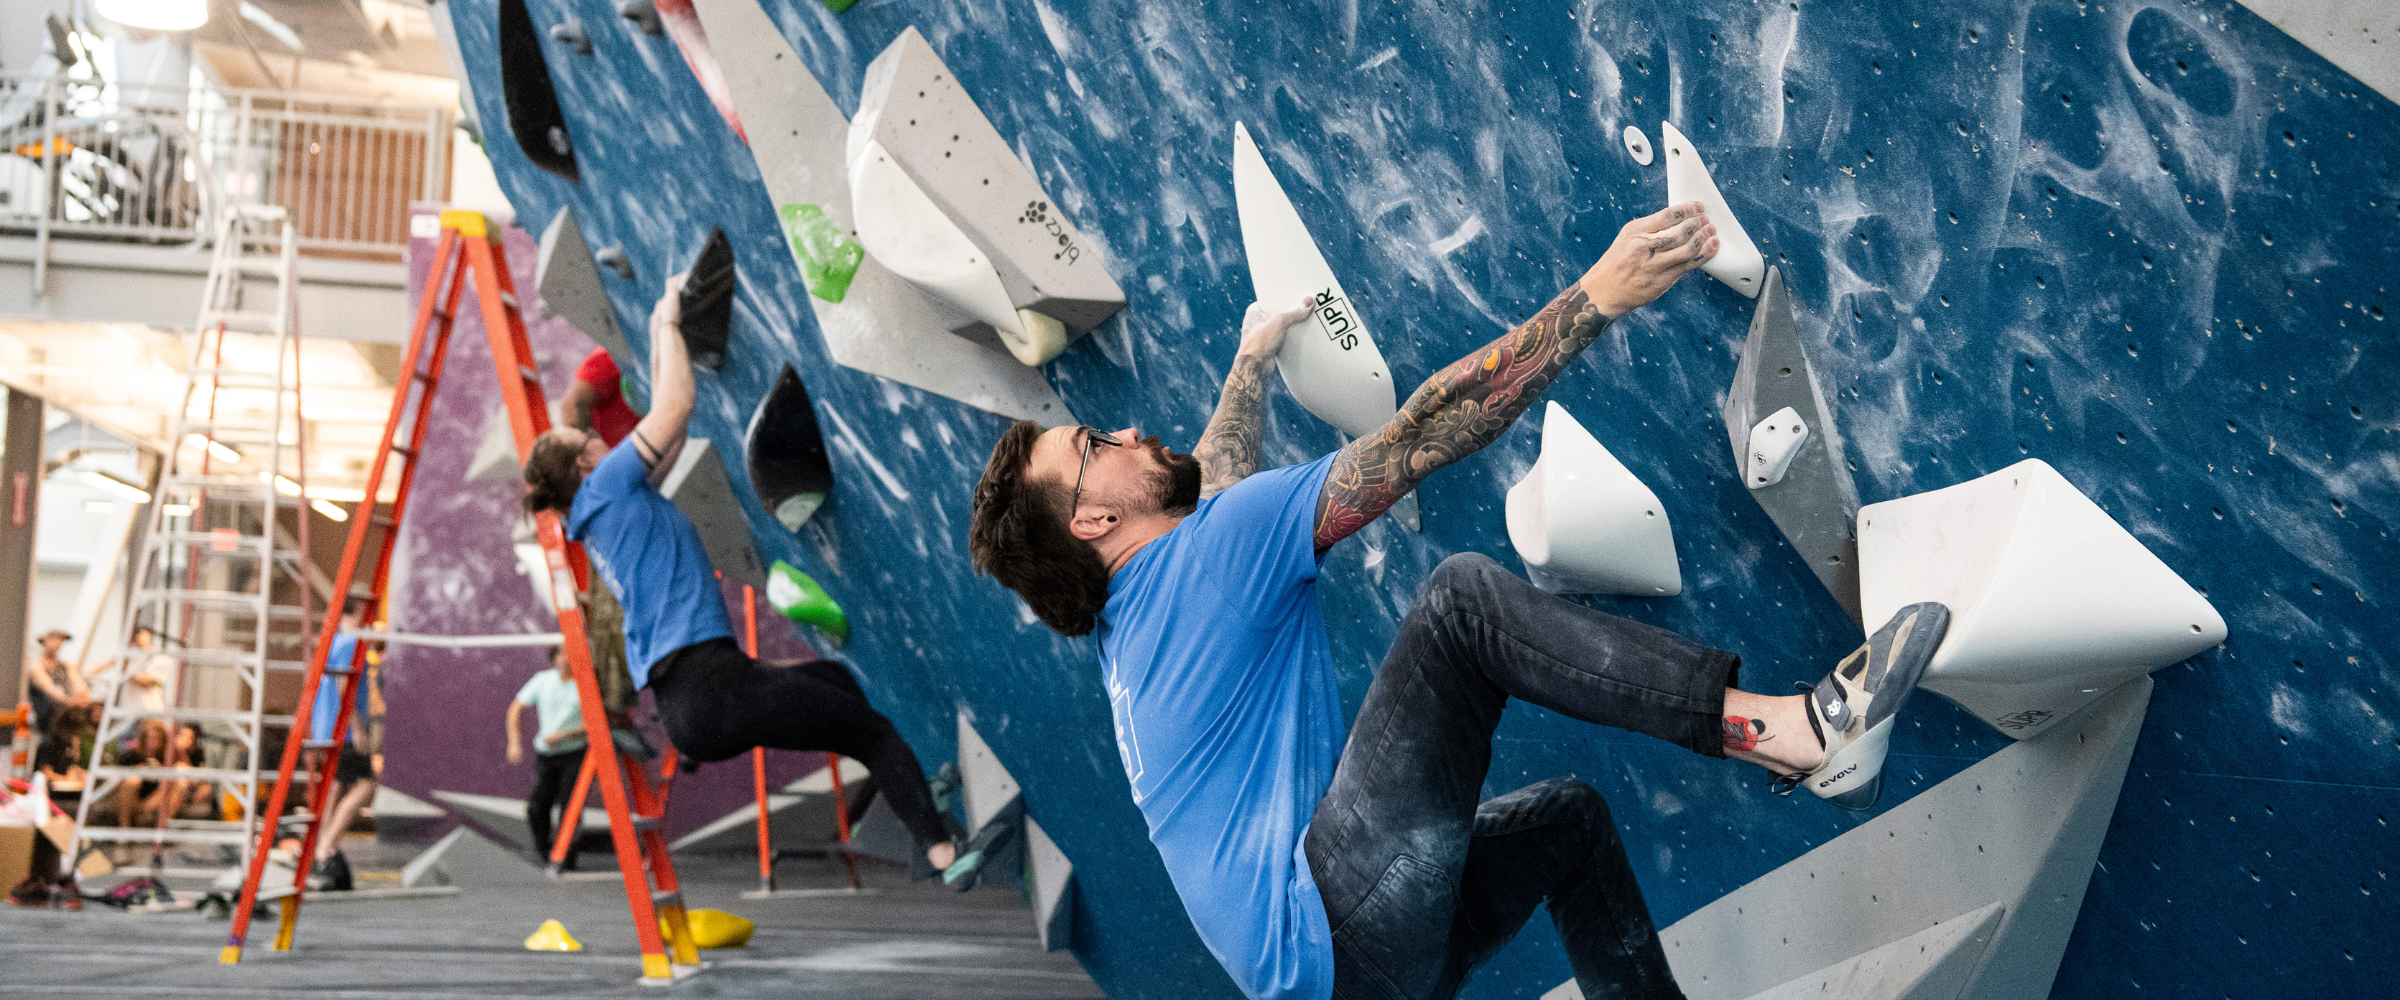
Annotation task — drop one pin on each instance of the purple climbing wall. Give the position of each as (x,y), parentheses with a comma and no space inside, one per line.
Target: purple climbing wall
(454,572)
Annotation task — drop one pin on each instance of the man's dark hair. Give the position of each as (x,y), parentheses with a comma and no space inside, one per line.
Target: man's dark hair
(551,477)
(1019,536)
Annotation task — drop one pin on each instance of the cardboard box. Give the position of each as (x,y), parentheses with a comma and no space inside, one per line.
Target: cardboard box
(16,855)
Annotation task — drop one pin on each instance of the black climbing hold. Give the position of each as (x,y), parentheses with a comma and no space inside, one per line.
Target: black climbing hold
(786,453)
(643,14)
(707,301)
(533,111)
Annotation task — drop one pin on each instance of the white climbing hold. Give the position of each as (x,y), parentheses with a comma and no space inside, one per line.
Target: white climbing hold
(2052,603)
(1638,144)
(913,115)
(1773,444)
(1584,524)
(1737,263)
(903,228)
(701,489)
(1330,364)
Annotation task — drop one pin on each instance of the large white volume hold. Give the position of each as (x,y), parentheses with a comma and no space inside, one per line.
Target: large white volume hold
(909,234)
(913,114)
(1737,263)
(2052,603)
(882,325)
(1584,524)
(1330,364)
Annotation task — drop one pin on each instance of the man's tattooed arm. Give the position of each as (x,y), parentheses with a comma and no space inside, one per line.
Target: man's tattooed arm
(1228,450)
(1454,414)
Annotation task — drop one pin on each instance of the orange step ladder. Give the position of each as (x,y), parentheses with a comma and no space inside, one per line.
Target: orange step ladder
(469,246)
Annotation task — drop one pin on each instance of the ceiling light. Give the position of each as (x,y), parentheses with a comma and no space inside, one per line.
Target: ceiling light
(223,452)
(331,512)
(156,15)
(283,484)
(175,509)
(117,486)
(266,22)
(99,506)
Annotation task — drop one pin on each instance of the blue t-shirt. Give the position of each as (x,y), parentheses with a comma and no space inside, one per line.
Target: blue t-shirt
(637,537)
(329,688)
(1229,723)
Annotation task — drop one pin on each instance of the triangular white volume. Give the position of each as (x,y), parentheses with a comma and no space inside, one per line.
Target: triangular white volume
(1330,365)
(2052,603)
(569,282)
(1584,524)
(700,488)
(1737,262)
(2020,829)
(883,325)
(906,231)
(915,115)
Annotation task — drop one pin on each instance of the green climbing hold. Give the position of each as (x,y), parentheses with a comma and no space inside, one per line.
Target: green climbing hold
(800,599)
(838,6)
(829,258)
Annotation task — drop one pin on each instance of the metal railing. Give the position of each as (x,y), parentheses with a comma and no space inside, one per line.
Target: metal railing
(90,159)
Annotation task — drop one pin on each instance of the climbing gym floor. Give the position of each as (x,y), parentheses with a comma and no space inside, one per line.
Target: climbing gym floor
(905,940)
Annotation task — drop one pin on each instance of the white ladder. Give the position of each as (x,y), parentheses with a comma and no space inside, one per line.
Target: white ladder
(222,582)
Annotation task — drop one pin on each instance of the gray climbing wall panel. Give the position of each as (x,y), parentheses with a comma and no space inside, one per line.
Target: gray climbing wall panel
(701,489)
(1815,504)
(1987,260)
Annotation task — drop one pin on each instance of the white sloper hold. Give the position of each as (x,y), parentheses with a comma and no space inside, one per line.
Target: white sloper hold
(2052,603)
(1329,364)
(1773,444)
(880,324)
(1039,281)
(1737,263)
(701,489)
(1584,524)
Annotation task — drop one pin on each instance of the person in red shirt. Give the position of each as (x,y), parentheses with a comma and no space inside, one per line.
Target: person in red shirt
(596,402)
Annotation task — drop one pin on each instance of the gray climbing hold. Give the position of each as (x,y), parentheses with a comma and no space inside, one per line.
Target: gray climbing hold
(570,33)
(1053,888)
(2009,842)
(701,489)
(1815,503)
(644,15)
(569,284)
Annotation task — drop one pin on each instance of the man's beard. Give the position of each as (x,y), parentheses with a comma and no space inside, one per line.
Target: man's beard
(1177,485)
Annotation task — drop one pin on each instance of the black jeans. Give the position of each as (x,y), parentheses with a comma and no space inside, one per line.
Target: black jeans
(717,702)
(553,780)
(1420,884)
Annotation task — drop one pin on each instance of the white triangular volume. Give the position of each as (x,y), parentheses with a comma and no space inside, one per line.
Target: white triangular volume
(2020,829)
(699,487)
(1331,364)
(568,280)
(905,230)
(1737,263)
(2052,603)
(1584,524)
(913,113)
(883,325)
(988,786)
(1932,964)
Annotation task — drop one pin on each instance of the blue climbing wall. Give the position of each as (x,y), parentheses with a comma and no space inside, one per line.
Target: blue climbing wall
(2149,243)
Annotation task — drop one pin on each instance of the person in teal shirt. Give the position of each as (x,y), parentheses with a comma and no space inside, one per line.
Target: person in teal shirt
(558,743)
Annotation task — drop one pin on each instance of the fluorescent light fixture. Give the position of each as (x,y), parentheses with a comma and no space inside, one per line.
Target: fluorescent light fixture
(283,484)
(267,23)
(99,506)
(223,452)
(176,509)
(115,485)
(327,508)
(157,15)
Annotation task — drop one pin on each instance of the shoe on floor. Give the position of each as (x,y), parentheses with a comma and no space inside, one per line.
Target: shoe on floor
(335,873)
(1853,707)
(32,894)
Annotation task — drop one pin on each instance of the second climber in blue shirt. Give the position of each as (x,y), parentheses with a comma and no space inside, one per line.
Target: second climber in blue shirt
(1312,868)
(715,700)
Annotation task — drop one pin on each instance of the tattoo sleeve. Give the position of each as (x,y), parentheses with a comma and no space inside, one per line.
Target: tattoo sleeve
(1228,450)
(1454,414)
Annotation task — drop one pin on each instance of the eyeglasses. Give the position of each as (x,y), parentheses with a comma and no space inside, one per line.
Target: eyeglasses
(1091,436)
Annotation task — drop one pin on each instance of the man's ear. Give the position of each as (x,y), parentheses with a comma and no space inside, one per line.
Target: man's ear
(1092,522)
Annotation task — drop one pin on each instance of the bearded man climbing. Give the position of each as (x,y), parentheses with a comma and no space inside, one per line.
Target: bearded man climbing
(1314,869)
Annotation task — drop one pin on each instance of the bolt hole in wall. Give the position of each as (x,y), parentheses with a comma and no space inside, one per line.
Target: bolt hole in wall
(1444,217)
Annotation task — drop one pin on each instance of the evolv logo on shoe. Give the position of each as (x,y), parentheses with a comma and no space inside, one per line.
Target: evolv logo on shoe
(1333,316)
(1838,775)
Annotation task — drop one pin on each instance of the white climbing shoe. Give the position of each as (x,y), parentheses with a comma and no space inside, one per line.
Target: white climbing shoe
(1853,707)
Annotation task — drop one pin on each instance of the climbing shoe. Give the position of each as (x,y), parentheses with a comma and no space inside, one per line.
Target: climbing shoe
(333,874)
(964,871)
(944,787)
(802,600)
(1852,708)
